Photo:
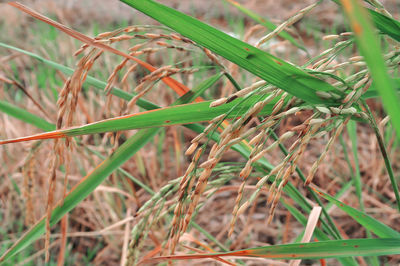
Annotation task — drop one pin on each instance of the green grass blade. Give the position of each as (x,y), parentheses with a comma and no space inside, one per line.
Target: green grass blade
(385,154)
(266,66)
(266,23)
(332,249)
(365,220)
(25,116)
(315,250)
(175,115)
(386,25)
(352,130)
(369,47)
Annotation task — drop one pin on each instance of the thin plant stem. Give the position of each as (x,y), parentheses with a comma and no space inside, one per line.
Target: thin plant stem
(384,154)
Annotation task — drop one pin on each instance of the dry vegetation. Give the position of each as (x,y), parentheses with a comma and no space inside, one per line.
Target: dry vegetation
(99,228)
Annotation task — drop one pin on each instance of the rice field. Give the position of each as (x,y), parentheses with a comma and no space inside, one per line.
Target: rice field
(227,133)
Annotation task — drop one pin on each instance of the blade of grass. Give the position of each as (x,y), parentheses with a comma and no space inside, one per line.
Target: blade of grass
(270,68)
(386,25)
(25,116)
(369,47)
(266,23)
(385,154)
(362,218)
(352,130)
(316,250)
(181,114)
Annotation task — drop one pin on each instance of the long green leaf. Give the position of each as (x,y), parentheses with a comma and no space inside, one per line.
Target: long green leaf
(175,115)
(352,130)
(315,250)
(268,67)
(25,116)
(365,220)
(386,25)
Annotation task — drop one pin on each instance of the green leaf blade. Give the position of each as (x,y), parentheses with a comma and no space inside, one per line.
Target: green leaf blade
(266,66)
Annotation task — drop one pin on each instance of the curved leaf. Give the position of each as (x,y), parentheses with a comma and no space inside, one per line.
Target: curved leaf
(25,116)
(365,220)
(315,250)
(386,25)
(181,114)
(266,66)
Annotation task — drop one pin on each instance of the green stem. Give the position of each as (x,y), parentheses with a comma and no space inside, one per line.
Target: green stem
(233,81)
(384,154)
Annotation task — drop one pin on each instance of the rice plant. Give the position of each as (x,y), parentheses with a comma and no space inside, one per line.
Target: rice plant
(270,112)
